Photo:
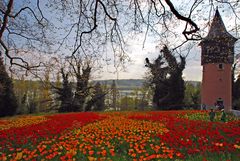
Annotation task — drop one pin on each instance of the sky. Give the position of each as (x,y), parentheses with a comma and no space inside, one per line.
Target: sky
(192,71)
(136,69)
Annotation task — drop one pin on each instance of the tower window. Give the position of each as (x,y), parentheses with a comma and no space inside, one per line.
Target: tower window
(220,66)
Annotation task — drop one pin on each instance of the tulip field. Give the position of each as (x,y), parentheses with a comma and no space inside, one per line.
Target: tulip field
(116,136)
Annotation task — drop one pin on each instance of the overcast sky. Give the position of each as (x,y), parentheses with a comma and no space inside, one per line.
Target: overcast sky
(136,69)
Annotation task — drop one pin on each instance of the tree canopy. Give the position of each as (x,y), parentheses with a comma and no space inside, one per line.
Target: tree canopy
(101,26)
(8,101)
(166,80)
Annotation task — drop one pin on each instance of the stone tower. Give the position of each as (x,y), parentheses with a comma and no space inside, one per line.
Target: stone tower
(217,59)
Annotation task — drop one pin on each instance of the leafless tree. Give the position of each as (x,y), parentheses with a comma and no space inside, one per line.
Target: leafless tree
(77,25)
(114,19)
(22,31)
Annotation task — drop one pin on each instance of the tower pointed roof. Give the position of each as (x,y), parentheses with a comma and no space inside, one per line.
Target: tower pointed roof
(218,30)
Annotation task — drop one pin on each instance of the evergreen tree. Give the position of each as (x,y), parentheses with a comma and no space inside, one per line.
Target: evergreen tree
(97,102)
(99,96)
(8,101)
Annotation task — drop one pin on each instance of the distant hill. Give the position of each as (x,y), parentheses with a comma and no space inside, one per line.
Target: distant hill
(124,84)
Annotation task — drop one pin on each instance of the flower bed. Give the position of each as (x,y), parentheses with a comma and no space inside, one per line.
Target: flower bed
(167,135)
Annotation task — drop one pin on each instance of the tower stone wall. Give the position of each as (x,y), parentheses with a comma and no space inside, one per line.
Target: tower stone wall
(216,59)
(217,85)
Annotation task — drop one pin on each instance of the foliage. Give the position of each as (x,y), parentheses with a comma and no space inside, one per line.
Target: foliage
(65,94)
(192,94)
(46,95)
(8,101)
(141,97)
(127,103)
(114,94)
(28,95)
(166,80)
(82,74)
(20,89)
(236,93)
(166,135)
(98,97)
(204,116)
(33,101)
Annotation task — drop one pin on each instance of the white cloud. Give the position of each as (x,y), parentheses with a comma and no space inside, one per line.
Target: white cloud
(193,70)
(137,70)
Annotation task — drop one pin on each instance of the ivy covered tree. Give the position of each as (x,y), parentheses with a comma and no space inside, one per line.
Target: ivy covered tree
(8,101)
(82,89)
(166,80)
(65,94)
(81,69)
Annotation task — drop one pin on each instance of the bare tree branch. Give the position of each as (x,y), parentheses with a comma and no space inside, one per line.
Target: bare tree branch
(188,20)
(5,17)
